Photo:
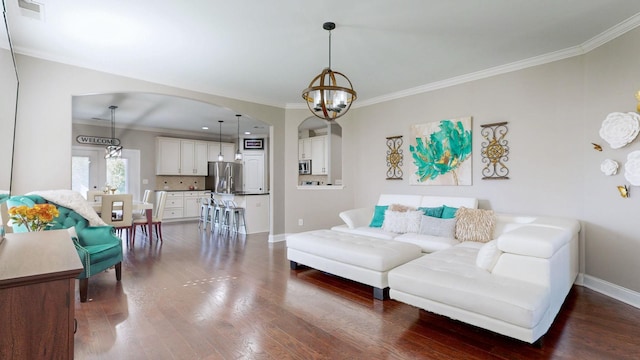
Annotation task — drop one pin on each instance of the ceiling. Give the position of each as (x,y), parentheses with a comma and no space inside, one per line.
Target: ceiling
(268,51)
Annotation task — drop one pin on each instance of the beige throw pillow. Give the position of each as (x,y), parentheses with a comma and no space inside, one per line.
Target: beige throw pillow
(475,224)
(400,207)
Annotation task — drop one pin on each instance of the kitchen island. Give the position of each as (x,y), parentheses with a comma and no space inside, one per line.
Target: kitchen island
(256,211)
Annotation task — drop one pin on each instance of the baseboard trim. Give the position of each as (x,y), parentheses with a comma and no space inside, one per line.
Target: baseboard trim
(612,290)
(277,238)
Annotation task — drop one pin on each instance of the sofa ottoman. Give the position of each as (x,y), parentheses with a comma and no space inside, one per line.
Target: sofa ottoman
(360,258)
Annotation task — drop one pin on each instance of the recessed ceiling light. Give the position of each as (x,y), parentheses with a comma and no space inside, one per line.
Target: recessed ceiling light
(247,132)
(205,128)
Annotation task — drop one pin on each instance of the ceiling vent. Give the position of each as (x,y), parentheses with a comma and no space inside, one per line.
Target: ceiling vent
(31,9)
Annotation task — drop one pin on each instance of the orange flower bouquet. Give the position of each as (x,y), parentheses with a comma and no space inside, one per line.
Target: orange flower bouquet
(35,218)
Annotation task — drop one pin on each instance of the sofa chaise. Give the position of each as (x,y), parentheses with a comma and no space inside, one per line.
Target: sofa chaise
(513,282)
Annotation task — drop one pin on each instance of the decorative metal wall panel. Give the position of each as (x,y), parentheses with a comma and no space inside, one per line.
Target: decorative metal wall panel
(394,158)
(495,151)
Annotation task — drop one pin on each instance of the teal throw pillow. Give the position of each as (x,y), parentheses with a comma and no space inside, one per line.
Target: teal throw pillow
(432,211)
(448,212)
(378,216)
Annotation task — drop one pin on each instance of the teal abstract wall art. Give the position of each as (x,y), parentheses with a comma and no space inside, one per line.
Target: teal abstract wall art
(442,152)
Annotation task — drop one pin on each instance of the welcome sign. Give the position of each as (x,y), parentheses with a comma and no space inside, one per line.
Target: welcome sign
(97,140)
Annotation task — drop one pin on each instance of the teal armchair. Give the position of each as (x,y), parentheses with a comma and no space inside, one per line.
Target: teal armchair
(98,246)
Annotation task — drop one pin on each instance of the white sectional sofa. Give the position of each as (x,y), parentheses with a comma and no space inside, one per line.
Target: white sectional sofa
(356,221)
(514,284)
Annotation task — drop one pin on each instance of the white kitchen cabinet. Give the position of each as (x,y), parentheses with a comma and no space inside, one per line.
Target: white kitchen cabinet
(193,157)
(192,203)
(167,156)
(228,151)
(253,172)
(174,205)
(182,204)
(304,149)
(200,158)
(188,157)
(319,155)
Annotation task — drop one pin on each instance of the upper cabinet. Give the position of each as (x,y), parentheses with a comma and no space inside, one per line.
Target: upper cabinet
(304,149)
(167,156)
(187,157)
(193,157)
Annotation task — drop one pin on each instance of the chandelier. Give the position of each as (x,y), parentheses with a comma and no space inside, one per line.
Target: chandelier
(328,96)
(114,149)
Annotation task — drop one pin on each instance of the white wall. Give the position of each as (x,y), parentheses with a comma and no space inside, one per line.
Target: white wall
(43,132)
(612,77)
(554,112)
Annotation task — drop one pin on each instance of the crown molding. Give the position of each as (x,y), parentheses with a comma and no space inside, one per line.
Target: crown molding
(587,46)
(612,33)
(482,74)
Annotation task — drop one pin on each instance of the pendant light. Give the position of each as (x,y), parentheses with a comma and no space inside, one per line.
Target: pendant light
(325,96)
(238,153)
(113,150)
(220,156)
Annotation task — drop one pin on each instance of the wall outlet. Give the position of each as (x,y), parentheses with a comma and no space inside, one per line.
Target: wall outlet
(300,222)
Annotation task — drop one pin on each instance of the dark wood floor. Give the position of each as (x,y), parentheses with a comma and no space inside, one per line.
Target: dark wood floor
(203,296)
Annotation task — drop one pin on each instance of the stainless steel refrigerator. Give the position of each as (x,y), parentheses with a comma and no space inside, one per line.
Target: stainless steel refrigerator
(224,177)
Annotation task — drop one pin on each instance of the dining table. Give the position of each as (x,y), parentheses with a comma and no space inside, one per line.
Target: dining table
(136,206)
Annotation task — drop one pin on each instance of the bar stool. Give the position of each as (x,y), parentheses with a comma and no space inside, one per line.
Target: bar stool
(206,215)
(232,216)
(217,213)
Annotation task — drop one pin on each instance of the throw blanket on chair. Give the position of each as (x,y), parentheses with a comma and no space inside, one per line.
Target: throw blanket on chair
(74,201)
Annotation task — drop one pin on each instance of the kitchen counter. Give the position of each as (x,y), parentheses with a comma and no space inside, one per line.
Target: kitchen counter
(256,207)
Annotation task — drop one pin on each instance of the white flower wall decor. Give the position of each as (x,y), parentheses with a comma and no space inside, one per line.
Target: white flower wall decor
(619,129)
(609,167)
(632,168)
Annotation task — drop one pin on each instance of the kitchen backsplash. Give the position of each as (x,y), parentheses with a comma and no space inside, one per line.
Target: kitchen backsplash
(179,182)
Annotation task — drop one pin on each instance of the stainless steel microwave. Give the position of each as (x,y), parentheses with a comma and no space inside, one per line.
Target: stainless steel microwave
(304,167)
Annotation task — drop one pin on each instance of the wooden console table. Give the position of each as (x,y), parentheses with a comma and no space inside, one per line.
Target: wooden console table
(37,295)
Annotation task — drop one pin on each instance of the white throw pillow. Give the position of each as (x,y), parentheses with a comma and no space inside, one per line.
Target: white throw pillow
(394,221)
(488,255)
(402,221)
(438,227)
(414,219)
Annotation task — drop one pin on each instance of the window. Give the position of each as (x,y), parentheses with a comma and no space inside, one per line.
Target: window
(91,171)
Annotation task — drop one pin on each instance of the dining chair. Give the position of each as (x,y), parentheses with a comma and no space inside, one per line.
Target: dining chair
(117,210)
(156,218)
(140,214)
